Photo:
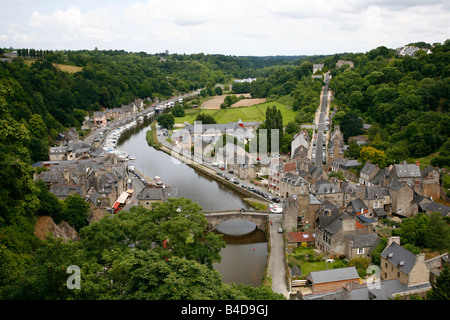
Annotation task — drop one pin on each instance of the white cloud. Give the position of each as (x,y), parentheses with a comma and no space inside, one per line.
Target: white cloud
(250,27)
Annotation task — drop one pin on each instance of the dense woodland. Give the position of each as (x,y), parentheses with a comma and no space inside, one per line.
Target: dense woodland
(405,99)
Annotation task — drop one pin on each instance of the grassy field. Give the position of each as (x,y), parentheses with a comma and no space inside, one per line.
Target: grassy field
(63,67)
(252,113)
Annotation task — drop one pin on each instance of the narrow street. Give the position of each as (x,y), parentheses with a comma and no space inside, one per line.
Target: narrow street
(277,265)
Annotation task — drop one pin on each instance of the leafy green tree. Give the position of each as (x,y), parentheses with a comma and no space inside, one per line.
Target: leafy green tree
(440,289)
(413,230)
(218,90)
(373,155)
(292,127)
(49,204)
(166,120)
(205,118)
(437,233)
(178,110)
(75,211)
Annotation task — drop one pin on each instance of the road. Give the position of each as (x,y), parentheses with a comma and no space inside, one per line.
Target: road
(277,262)
(320,151)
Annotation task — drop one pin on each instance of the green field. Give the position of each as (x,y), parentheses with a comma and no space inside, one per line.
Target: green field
(252,113)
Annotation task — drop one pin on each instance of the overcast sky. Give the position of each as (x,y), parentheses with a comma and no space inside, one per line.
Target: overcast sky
(230,27)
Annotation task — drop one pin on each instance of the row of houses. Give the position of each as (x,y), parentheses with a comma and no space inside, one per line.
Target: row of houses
(101,118)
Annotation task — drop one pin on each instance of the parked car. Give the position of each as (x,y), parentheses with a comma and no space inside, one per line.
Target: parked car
(244,186)
(280,230)
(274,199)
(231,172)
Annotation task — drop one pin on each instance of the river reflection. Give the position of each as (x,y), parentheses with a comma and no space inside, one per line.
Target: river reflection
(245,256)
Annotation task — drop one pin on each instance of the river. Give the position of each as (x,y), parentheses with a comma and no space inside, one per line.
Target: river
(245,256)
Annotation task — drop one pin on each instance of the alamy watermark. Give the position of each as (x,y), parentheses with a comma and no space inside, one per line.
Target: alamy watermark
(241,145)
(74,281)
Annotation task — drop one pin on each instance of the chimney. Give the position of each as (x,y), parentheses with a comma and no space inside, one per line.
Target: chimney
(349,224)
(420,258)
(393,239)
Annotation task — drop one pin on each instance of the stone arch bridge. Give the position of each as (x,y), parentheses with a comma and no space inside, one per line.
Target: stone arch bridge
(260,218)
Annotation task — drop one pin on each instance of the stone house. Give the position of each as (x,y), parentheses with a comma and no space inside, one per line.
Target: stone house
(292,183)
(367,173)
(357,245)
(433,206)
(344,165)
(300,212)
(300,139)
(399,263)
(326,190)
(332,230)
(336,146)
(377,199)
(406,172)
(149,195)
(402,195)
(100,119)
(296,239)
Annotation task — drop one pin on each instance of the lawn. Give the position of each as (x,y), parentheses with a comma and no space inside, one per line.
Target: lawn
(252,113)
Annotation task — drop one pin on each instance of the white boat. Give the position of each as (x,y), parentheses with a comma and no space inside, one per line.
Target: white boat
(131,157)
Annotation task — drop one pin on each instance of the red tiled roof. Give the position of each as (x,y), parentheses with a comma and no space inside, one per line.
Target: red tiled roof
(300,236)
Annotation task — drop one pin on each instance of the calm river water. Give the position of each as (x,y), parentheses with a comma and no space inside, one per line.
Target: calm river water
(245,256)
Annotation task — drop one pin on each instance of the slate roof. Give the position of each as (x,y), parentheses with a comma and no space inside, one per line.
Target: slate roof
(376,192)
(333,275)
(294,179)
(150,194)
(379,176)
(324,186)
(364,240)
(399,257)
(407,170)
(368,168)
(357,205)
(386,291)
(63,190)
(434,206)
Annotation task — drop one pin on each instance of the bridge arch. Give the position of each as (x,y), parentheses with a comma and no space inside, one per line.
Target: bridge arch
(260,218)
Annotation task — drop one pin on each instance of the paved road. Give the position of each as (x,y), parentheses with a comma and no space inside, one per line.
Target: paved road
(277,264)
(321,125)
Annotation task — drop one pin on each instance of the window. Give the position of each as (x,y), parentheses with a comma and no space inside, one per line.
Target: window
(360,251)
(147,203)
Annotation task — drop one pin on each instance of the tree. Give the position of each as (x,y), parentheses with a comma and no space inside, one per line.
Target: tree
(49,204)
(373,155)
(218,90)
(166,120)
(292,127)
(437,233)
(351,125)
(75,211)
(274,121)
(205,118)
(440,289)
(413,230)
(178,110)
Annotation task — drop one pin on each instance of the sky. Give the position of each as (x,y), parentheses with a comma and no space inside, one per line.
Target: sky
(229,27)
